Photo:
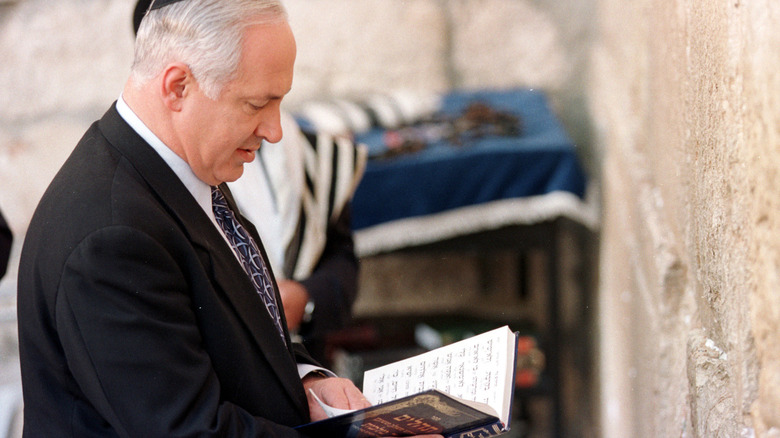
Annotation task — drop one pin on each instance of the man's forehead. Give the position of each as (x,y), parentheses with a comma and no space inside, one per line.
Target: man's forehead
(265,70)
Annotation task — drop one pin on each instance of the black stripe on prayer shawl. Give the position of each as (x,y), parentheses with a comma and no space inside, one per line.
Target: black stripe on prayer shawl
(389,104)
(333,178)
(355,158)
(373,118)
(294,248)
(311,138)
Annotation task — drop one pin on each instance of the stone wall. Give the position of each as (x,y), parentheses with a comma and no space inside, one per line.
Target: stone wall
(686,99)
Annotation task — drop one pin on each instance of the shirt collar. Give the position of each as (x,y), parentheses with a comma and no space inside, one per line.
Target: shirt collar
(199,189)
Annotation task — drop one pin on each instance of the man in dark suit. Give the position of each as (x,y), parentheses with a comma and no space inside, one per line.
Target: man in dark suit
(304,220)
(140,314)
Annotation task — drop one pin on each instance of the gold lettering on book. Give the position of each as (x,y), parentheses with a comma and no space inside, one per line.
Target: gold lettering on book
(416,424)
(432,400)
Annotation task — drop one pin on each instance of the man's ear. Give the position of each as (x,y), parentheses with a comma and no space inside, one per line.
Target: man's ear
(177,81)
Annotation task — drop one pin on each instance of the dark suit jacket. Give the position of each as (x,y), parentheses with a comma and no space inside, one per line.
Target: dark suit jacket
(135,318)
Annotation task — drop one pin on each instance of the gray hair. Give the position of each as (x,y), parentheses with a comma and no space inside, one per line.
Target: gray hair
(206,35)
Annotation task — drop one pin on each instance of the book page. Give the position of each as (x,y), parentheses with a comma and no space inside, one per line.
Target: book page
(480,368)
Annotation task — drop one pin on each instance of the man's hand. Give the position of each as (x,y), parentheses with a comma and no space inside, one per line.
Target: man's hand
(337,392)
(333,391)
(294,299)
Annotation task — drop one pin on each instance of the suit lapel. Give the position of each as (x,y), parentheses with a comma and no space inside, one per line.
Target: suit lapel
(228,276)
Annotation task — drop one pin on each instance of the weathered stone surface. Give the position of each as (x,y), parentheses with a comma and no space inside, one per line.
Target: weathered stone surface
(685,97)
(62,57)
(348,47)
(528,39)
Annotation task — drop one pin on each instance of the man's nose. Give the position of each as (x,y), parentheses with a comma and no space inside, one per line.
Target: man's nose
(270,128)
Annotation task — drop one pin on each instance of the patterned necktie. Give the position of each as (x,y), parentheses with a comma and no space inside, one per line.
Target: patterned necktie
(248,253)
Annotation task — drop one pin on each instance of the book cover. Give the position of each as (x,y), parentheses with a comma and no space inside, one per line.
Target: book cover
(429,412)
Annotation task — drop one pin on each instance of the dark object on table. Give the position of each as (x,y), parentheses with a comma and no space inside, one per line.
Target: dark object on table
(477,120)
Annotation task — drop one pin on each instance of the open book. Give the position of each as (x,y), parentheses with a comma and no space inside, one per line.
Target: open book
(459,390)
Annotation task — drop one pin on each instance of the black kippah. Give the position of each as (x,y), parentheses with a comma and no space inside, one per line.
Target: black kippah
(143,6)
(157,4)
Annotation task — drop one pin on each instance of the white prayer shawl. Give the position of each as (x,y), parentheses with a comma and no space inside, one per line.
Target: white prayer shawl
(293,190)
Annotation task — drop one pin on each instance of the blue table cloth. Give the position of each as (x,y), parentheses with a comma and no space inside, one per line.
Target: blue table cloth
(446,190)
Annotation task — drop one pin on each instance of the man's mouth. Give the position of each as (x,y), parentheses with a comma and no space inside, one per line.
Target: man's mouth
(247,154)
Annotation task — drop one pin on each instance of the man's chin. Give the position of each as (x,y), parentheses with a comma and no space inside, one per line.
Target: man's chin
(235,174)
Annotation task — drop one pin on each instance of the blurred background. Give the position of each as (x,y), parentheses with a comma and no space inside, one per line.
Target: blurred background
(649,300)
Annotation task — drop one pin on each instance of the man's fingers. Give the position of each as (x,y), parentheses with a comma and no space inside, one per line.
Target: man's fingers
(355,398)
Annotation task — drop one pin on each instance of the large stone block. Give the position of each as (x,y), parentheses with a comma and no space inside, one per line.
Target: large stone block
(346,47)
(62,56)
(506,43)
